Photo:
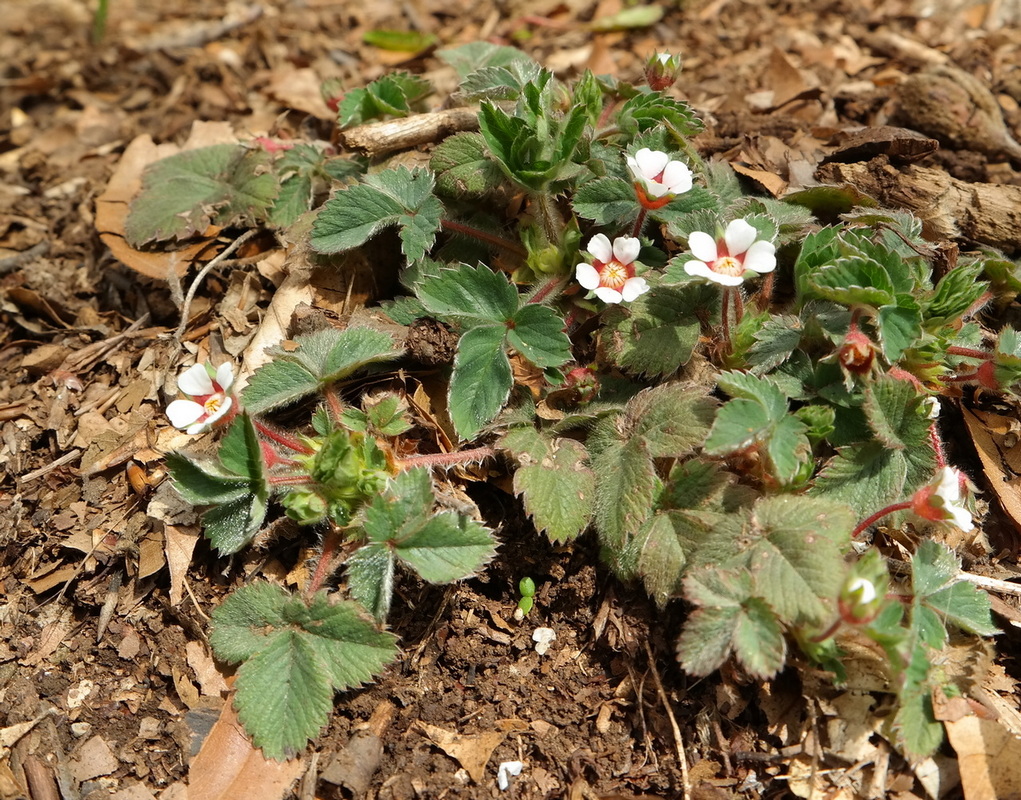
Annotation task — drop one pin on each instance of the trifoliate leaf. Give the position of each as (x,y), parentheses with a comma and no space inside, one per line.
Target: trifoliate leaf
(481,381)
(537,332)
(645,111)
(441,547)
(182,194)
(475,293)
(244,621)
(322,357)
(398,196)
(559,490)
(463,167)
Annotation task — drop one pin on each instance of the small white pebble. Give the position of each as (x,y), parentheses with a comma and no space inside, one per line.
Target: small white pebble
(506,771)
(543,638)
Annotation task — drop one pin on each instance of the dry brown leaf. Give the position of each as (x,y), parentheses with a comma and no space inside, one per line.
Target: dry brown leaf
(211,682)
(471,752)
(179,542)
(228,767)
(989,757)
(996,443)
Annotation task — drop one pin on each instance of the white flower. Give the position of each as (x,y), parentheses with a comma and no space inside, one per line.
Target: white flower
(209,399)
(611,275)
(726,261)
(657,178)
(931,404)
(940,500)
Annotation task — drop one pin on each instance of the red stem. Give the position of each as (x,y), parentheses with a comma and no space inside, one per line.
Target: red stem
(333,401)
(968,352)
(879,515)
(546,290)
(288,480)
(283,439)
(765,295)
(937,446)
(639,222)
(445,459)
(725,312)
(485,236)
(826,634)
(331,542)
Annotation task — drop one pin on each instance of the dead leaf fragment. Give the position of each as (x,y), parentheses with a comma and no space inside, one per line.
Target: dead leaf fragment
(989,757)
(471,752)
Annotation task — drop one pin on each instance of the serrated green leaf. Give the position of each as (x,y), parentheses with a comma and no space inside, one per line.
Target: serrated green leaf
(276,384)
(469,57)
(671,419)
(625,487)
(795,555)
(753,387)
(759,644)
(694,483)
(608,201)
(920,733)
(230,526)
(645,111)
(284,697)
(659,558)
(499,82)
(788,448)
(398,196)
(182,194)
(441,547)
(778,337)
(854,280)
(394,94)
(463,167)
(353,649)
(899,329)
(527,444)
(729,619)
(204,482)
(933,567)
(242,623)
(958,291)
(481,381)
(966,606)
(739,424)
(370,578)
(892,408)
(538,334)
(465,292)
(656,335)
(867,477)
(240,451)
(559,490)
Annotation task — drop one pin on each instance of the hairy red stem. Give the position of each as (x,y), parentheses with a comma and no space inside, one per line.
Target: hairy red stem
(865,523)
(445,459)
(485,236)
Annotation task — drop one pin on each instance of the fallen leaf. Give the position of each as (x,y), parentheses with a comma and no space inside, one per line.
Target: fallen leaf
(989,757)
(471,752)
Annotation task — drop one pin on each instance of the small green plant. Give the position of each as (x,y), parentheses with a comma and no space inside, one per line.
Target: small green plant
(728,394)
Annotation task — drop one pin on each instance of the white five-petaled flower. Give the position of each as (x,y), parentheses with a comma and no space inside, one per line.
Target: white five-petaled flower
(726,261)
(657,178)
(208,397)
(611,275)
(940,500)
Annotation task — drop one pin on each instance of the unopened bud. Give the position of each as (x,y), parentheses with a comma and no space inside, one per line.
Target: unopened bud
(661,70)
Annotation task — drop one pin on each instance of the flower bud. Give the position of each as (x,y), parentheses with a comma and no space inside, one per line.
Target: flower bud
(661,70)
(859,601)
(857,353)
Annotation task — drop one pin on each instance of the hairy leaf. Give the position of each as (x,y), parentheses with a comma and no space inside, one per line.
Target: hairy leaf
(481,381)
(656,334)
(463,167)
(465,292)
(537,332)
(558,490)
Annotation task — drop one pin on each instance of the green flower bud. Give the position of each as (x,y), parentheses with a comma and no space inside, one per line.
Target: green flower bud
(305,507)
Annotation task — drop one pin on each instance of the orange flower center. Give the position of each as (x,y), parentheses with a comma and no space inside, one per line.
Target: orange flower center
(728,265)
(613,275)
(212,403)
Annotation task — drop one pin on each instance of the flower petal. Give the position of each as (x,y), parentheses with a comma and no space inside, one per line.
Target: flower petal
(678,177)
(599,248)
(655,190)
(739,236)
(183,413)
(698,269)
(626,248)
(651,162)
(960,517)
(632,288)
(198,427)
(587,276)
(702,246)
(608,295)
(761,257)
(195,381)
(949,485)
(225,376)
